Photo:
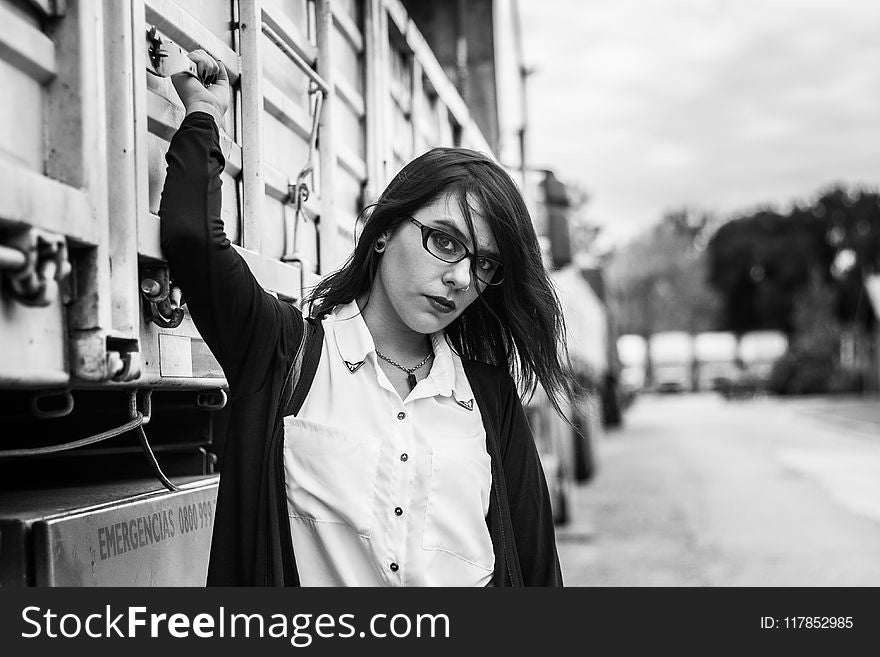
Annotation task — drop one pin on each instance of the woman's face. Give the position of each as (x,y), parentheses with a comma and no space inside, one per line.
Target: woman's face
(423,292)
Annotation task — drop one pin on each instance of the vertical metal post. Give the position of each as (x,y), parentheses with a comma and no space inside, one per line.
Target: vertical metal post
(383,106)
(251,108)
(326,144)
(416,108)
(373,97)
(76,124)
(145,221)
(122,79)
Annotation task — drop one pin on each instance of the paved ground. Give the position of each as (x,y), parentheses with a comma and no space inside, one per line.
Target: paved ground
(697,491)
(853,414)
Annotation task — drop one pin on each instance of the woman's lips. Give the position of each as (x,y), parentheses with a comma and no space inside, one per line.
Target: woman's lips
(442,304)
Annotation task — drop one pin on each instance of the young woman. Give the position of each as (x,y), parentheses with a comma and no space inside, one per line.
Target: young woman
(380,441)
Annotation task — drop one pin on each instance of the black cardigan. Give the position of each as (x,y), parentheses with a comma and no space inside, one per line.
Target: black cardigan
(255,337)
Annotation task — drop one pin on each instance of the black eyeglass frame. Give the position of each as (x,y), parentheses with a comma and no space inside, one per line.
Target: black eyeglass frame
(427,231)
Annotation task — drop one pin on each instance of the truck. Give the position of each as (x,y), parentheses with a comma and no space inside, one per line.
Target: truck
(716,360)
(758,351)
(567,446)
(671,357)
(632,350)
(113,409)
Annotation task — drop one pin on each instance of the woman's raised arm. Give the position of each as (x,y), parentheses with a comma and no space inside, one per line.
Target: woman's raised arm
(245,327)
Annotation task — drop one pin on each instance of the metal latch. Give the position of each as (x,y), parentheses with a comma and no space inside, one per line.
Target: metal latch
(298,193)
(35,265)
(164,301)
(165,58)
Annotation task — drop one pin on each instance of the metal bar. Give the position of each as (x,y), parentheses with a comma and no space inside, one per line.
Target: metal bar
(122,143)
(327,145)
(185,30)
(295,57)
(373,96)
(288,29)
(252,121)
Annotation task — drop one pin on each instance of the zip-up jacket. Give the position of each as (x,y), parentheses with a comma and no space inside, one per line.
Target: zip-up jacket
(263,344)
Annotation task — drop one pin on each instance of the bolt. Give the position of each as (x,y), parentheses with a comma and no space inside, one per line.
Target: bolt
(150,287)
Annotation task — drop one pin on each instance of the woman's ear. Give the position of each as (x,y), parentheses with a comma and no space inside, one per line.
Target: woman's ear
(382,241)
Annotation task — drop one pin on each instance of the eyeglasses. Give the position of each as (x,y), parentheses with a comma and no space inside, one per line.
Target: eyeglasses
(447,248)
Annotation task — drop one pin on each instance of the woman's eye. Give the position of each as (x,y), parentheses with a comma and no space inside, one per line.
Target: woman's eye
(486,265)
(444,242)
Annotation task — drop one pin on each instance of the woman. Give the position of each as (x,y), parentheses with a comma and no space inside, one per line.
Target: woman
(381,441)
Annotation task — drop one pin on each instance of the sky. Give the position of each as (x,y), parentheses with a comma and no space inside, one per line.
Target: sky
(716,105)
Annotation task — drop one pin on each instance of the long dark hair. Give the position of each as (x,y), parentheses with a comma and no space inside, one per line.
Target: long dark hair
(519,323)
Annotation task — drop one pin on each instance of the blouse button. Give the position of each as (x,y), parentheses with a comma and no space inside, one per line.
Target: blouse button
(394,567)
(404,456)
(398,511)
(401,416)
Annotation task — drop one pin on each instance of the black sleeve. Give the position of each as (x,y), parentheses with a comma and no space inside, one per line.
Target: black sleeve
(529,498)
(245,327)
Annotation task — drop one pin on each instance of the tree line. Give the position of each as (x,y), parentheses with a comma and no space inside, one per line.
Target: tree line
(802,272)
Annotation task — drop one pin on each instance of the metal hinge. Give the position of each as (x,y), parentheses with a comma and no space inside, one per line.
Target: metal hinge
(36,268)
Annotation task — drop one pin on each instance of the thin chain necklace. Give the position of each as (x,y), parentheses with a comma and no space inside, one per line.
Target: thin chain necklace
(411,376)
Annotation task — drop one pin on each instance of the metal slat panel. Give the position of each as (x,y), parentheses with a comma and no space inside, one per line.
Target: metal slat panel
(38,357)
(350,162)
(346,92)
(287,111)
(348,28)
(273,274)
(26,48)
(22,131)
(29,198)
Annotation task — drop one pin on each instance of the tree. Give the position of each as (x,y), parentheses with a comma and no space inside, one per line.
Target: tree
(762,262)
(852,220)
(658,281)
(759,263)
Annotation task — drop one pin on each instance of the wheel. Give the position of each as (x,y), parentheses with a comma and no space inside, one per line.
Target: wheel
(561,514)
(584,460)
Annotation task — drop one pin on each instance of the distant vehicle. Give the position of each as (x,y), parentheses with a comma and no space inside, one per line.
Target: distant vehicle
(671,354)
(717,365)
(554,440)
(758,351)
(632,352)
(568,455)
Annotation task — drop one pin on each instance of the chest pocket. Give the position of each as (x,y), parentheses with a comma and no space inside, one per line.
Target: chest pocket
(330,474)
(458,501)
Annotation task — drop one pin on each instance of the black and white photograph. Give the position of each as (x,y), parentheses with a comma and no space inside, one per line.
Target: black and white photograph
(439,294)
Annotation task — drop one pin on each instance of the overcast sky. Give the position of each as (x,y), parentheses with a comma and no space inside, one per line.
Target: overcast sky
(721,105)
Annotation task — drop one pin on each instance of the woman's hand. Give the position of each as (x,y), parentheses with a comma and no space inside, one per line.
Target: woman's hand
(211,96)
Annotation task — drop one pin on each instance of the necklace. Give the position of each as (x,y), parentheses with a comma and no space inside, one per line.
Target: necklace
(411,378)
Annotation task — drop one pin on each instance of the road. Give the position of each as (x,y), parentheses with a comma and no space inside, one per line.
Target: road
(697,491)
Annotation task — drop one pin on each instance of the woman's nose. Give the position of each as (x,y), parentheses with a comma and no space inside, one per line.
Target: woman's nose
(458,274)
